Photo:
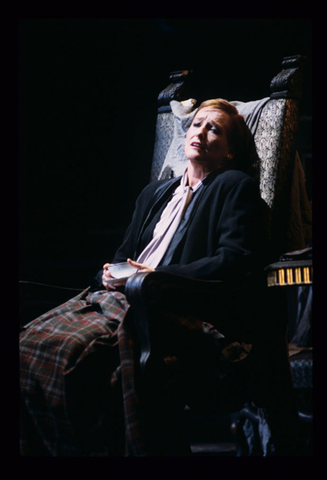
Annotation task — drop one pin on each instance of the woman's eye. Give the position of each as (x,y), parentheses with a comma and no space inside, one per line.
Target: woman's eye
(196,124)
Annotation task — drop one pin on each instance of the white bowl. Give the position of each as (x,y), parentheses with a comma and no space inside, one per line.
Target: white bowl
(122,270)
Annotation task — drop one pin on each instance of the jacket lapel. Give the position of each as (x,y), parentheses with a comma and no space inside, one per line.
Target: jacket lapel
(182,229)
(160,197)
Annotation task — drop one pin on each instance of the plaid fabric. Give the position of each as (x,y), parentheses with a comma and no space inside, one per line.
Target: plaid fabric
(81,393)
(70,390)
(134,428)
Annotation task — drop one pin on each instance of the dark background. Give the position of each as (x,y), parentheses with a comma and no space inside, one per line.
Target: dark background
(88,93)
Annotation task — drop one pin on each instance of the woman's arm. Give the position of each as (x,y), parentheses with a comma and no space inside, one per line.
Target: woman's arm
(127,248)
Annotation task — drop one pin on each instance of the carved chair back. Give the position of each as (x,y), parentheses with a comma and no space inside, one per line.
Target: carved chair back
(273,121)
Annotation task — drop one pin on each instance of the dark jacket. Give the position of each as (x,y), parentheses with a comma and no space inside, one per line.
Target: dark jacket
(223,237)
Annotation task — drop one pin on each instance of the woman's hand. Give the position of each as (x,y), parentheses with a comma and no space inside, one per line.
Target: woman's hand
(107,276)
(140,266)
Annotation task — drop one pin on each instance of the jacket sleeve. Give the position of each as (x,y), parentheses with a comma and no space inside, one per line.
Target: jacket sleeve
(142,207)
(239,237)
(127,248)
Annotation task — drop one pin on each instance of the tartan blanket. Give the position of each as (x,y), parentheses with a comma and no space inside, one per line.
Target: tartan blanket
(77,380)
(80,380)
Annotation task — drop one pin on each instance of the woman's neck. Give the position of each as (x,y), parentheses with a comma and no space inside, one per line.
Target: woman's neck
(196,173)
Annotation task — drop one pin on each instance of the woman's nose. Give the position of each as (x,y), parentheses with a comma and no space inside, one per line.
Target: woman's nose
(201,132)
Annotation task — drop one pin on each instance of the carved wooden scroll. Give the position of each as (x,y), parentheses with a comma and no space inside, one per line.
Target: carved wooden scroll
(288,83)
(178,88)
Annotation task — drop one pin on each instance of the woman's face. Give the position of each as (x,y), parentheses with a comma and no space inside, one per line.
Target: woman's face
(206,140)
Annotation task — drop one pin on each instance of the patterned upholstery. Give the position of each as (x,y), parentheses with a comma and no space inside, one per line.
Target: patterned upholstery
(302,371)
(268,143)
(163,139)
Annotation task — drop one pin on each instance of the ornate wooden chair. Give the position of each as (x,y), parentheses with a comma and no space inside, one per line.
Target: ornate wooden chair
(157,298)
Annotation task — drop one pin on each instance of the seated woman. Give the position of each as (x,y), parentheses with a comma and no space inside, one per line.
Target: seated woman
(78,360)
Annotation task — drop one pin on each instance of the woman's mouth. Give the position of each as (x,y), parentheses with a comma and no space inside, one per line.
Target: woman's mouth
(197,145)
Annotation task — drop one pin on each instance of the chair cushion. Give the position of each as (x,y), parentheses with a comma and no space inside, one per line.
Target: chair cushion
(302,370)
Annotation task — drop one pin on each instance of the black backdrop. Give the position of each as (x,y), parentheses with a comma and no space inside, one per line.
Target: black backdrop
(88,90)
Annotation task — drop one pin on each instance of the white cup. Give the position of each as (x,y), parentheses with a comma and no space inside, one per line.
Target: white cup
(121,270)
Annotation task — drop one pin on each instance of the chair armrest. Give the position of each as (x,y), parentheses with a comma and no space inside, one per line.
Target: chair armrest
(162,287)
(154,295)
(185,295)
